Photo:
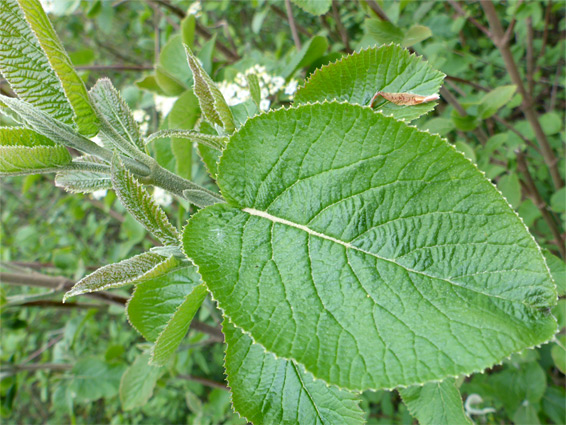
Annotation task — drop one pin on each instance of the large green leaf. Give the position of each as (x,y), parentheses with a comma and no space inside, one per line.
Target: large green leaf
(87,180)
(436,403)
(25,150)
(353,239)
(35,63)
(267,390)
(137,200)
(161,309)
(356,79)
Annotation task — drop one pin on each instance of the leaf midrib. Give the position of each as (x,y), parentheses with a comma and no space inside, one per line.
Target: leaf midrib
(347,245)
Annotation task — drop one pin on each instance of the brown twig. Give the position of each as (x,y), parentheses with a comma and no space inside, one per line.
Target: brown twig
(203,381)
(41,350)
(530,58)
(341,29)
(291,20)
(498,39)
(60,283)
(202,31)
(279,12)
(451,99)
(376,8)
(468,82)
(535,196)
(115,68)
(58,367)
(473,21)
(517,132)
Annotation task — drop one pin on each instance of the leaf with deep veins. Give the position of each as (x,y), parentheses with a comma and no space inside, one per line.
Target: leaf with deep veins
(267,390)
(35,63)
(358,77)
(372,253)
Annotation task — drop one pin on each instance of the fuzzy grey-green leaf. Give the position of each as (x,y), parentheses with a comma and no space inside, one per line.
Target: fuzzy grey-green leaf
(141,205)
(132,270)
(212,103)
(352,239)
(118,125)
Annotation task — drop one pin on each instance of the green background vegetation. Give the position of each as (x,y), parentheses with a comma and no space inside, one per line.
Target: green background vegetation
(64,363)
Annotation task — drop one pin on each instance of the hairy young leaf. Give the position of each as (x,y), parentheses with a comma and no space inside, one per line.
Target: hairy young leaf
(14,159)
(136,269)
(141,205)
(118,125)
(85,180)
(268,390)
(436,403)
(352,239)
(137,383)
(82,181)
(161,309)
(314,7)
(357,77)
(25,150)
(253,86)
(51,128)
(51,75)
(211,101)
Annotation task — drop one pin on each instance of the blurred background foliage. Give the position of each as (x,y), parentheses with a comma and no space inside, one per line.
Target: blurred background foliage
(68,363)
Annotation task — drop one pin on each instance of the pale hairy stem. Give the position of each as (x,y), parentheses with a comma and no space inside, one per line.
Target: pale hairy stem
(501,42)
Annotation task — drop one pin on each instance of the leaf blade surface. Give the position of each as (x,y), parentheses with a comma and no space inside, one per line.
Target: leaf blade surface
(340,246)
(270,390)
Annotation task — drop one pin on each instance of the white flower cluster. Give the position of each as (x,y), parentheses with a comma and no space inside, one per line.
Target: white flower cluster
(142,118)
(163,104)
(195,9)
(162,197)
(237,91)
(48,5)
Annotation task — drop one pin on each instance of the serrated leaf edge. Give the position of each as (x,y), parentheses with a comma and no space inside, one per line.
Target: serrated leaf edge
(467,373)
